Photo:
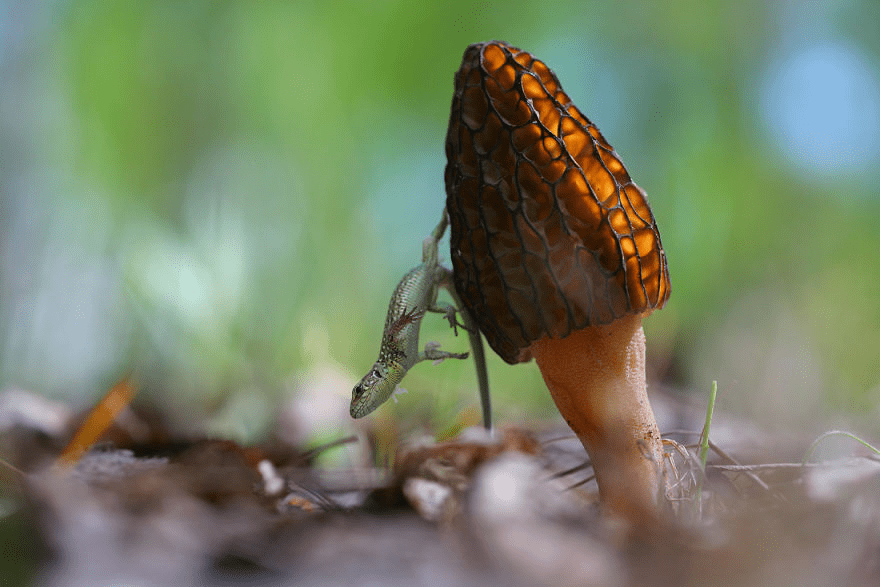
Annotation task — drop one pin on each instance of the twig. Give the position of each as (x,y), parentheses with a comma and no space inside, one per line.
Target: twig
(313,452)
(11,467)
(717,450)
(582,482)
(558,438)
(768,466)
(575,469)
(726,456)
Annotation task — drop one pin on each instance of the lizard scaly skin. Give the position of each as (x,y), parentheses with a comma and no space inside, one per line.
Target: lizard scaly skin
(415,295)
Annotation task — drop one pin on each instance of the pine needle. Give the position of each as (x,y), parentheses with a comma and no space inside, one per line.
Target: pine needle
(98,420)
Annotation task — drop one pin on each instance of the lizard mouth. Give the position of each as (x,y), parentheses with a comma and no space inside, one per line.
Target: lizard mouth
(356,407)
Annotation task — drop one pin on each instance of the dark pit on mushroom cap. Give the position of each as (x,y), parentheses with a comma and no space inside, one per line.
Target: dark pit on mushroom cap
(549,234)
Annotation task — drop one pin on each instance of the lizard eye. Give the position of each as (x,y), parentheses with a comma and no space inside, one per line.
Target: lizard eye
(358,390)
(376,374)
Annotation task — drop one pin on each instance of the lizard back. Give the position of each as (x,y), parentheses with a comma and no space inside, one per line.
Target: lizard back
(409,301)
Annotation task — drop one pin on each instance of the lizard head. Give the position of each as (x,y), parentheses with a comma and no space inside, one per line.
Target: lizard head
(374,389)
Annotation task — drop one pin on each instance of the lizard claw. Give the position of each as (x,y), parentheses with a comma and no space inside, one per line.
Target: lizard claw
(454,324)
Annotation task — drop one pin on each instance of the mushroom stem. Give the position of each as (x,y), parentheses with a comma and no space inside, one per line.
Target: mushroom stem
(597,379)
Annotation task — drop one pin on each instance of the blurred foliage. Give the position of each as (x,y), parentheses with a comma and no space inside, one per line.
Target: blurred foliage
(223,195)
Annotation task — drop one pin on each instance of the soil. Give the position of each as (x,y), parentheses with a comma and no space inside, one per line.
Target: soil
(514,509)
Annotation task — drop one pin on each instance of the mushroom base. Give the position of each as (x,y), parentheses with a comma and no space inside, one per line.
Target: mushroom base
(597,379)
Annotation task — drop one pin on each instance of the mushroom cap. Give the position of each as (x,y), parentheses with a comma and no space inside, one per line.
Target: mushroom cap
(549,234)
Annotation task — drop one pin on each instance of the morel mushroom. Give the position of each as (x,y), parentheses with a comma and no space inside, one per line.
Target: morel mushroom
(556,254)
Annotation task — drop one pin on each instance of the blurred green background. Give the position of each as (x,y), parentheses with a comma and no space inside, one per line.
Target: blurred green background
(222,196)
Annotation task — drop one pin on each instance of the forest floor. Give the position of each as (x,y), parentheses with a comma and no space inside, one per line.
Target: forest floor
(518,508)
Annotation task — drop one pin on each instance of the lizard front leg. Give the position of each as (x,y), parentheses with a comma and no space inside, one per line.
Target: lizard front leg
(432,352)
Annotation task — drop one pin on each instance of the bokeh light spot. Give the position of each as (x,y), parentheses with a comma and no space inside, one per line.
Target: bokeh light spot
(822,104)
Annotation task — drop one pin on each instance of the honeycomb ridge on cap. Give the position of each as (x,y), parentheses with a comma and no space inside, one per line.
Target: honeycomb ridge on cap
(549,233)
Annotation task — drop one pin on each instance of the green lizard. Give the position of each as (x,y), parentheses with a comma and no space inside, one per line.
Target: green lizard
(415,295)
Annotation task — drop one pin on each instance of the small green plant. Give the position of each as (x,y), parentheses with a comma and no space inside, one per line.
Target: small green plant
(704,444)
(830,433)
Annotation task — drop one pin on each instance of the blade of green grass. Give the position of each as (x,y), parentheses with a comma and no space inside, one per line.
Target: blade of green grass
(704,444)
(825,435)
